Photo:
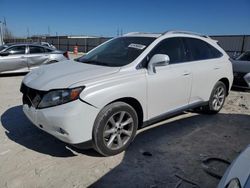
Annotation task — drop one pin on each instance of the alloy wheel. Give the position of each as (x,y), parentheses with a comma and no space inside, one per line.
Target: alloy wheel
(118,130)
(218,98)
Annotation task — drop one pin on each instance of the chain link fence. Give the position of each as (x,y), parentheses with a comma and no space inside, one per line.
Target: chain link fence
(233,45)
(64,43)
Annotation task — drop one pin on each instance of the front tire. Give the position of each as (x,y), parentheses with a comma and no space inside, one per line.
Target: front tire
(217,99)
(115,128)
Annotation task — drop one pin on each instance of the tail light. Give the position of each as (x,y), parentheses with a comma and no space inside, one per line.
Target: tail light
(66,54)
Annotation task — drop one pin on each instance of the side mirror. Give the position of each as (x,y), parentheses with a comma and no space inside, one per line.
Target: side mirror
(4,53)
(157,60)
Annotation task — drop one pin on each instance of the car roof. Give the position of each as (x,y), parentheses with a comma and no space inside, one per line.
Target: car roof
(139,34)
(171,32)
(26,44)
(21,44)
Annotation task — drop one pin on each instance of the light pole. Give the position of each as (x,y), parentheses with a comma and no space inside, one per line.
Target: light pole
(58,42)
(1,33)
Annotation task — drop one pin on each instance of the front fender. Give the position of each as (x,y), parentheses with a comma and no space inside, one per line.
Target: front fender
(102,92)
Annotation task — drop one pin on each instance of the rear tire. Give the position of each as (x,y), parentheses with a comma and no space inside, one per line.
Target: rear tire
(217,99)
(115,128)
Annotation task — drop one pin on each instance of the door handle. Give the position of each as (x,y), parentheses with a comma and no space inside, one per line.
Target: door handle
(216,68)
(186,73)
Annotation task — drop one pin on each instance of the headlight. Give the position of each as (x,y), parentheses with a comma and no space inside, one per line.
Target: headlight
(59,96)
(234,183)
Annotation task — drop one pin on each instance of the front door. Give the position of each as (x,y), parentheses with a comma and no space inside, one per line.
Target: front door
(15,60)
(169,88)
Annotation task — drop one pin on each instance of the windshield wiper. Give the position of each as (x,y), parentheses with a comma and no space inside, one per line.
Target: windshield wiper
(95,63)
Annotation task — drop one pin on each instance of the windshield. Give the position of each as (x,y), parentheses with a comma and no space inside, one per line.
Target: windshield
(244,57)
(117,52)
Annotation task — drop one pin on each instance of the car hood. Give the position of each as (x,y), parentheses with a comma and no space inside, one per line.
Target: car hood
(241,66)
(64,74)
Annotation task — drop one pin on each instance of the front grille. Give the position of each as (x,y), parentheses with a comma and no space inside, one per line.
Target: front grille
(31,97)
(239,79)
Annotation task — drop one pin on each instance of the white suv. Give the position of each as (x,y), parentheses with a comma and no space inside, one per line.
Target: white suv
(124,84)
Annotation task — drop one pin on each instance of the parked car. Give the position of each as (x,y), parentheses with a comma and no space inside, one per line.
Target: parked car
(25,57)
(241,70)
(238,173)
(124,84)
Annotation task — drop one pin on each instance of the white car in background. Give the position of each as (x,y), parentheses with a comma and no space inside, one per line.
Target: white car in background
(18,58)
(124,84)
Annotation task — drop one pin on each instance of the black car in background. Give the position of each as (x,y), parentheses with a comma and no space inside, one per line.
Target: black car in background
(241,69)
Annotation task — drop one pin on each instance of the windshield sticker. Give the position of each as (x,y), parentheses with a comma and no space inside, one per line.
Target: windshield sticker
(137,46)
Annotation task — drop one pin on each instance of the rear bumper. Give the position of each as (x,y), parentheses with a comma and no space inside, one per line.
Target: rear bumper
(71,122)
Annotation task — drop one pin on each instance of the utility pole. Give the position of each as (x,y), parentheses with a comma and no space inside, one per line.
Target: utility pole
(58,44)
(49,30)
(118,31)
(4,28)
(28,32)
(85,44)
(1,33)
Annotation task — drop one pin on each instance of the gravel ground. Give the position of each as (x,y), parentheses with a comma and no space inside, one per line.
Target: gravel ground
(159,156)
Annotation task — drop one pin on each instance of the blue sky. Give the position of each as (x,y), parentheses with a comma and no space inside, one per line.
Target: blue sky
(94,17)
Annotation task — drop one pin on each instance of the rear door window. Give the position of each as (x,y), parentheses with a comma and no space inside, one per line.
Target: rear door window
(36,50)
(200,50)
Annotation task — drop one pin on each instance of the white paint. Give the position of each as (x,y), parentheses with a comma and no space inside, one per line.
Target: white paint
(5,152)
(171,87)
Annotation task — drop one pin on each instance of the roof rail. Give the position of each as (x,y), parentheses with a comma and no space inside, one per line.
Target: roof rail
(131,33)
(185,32)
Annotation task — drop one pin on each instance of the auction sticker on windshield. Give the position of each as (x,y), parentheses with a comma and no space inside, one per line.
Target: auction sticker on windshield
(137,46)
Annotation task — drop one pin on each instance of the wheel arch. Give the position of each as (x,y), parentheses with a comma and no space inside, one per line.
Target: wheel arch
(135,104)
(226,82)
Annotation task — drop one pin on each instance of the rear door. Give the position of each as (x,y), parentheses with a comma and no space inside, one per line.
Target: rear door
(37,55)
(16,60)
(206,68)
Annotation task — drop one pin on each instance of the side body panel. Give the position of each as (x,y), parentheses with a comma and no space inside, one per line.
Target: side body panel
(168,89)
(125,84)
(205,75)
